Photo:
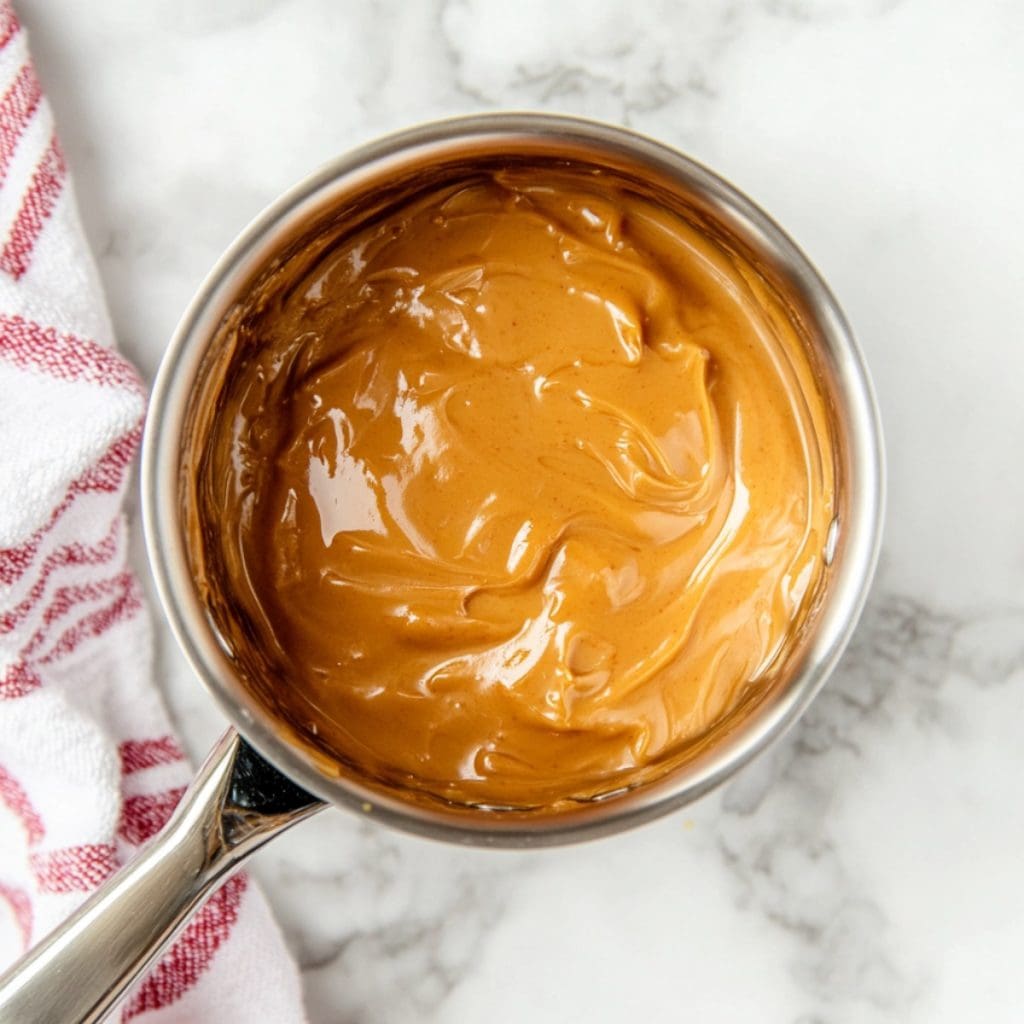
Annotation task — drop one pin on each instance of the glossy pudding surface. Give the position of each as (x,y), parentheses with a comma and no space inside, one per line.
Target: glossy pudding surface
(515,493)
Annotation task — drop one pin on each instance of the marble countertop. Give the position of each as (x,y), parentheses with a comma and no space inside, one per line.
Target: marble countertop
(868,869)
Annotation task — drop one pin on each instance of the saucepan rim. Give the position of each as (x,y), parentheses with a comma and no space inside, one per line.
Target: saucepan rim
(845,593)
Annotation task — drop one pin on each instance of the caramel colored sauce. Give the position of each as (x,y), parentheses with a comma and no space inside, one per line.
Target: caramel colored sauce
(521,490)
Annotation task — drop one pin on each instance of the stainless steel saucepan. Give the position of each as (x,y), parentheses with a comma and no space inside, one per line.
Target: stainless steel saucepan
(255,783)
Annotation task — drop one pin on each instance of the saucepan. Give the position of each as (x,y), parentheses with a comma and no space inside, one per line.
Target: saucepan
(256,782)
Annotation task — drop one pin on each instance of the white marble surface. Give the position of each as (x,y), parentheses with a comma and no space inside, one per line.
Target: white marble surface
(868,871)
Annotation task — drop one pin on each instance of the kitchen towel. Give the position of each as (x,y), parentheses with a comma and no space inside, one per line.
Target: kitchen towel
(89,768)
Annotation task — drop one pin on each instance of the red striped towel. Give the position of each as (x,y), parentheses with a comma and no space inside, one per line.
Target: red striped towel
(88,767)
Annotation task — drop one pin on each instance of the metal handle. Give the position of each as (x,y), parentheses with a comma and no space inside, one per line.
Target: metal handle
(79,972)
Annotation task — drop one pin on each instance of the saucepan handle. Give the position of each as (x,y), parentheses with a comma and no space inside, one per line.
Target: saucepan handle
(79,972)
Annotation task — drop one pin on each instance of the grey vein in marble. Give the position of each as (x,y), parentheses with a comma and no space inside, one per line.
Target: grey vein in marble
(906,663)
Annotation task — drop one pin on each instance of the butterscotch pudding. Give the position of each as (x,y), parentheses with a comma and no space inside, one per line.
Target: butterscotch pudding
(514,493)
